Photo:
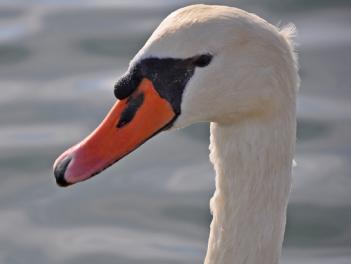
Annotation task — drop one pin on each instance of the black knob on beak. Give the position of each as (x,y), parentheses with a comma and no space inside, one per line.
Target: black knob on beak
(127,84)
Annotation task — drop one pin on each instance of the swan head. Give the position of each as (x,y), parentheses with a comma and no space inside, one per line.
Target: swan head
(202,64)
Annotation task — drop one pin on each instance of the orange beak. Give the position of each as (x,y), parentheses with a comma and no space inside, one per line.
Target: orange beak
(129,124)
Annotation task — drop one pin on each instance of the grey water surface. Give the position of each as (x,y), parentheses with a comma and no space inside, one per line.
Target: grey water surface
(58,63)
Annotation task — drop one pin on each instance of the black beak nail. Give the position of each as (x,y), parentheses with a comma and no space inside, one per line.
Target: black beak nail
(60,170)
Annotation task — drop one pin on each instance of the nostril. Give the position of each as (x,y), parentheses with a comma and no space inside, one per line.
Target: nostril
(60,169)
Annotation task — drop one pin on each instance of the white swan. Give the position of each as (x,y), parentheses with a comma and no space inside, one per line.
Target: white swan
(233,69)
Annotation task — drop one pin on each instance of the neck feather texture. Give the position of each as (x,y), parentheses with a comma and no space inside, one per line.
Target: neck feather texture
(252,161)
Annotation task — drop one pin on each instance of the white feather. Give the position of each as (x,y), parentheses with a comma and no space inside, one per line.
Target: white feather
(248,92)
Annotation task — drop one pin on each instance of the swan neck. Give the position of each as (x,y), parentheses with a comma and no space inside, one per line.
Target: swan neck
(252,161)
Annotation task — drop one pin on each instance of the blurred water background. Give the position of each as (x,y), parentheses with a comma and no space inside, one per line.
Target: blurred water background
(58,63)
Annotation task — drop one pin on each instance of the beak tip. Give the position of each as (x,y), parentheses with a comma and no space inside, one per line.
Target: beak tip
(62,182)
(59,171)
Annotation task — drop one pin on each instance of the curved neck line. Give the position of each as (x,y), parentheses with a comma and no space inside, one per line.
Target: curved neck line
(253,162)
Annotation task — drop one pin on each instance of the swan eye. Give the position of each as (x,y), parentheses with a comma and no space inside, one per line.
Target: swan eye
(202,60)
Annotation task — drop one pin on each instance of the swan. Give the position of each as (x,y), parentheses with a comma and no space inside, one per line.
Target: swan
(222,65)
